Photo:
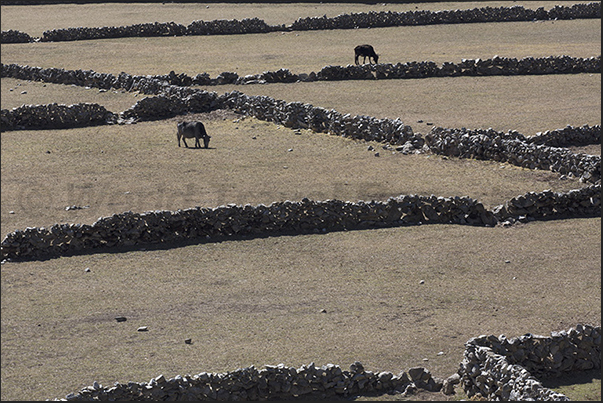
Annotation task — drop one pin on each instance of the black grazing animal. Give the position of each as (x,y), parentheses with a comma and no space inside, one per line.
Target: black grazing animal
(365,51)
(190,130)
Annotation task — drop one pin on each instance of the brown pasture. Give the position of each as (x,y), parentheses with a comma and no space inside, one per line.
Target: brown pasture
(260,301)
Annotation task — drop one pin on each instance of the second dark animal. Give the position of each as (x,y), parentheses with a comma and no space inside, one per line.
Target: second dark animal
(190,130)
(365,51)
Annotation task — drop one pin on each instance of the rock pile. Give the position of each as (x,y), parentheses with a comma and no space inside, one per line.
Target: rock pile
(498,368)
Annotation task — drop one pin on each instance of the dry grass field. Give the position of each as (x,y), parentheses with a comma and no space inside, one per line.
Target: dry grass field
(307,51)
(140,168)
(36,19)
(258,301)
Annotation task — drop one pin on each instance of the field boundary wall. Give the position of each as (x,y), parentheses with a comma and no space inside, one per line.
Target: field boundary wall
(496,66)
(515,149)
(495,368)
(129,229)
(344,21)
(537,152)
(289,217)
(498,368)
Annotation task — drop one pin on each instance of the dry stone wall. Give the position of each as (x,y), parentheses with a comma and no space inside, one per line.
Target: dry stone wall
(306,116)
(495,66)
(468,67)
(498,368)
(176,100)
(133,229)
(55,116)
(273,382)
(568,136)
(294,217)
(345,21)
(515,149)
(409,70)
(511,147)
(14,36)
(495,368)
(548,205)
(216,27)
(289,217)
(375,19)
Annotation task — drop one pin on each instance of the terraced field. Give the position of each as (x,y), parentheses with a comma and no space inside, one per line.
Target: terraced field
(392,298)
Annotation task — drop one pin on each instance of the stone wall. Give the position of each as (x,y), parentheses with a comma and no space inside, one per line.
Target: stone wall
(274,382)
(306,116)
(495,368)
(375,19)
(176,100)
(14,36)
(410,70)
(513,148)
(289,217)
(468,67)
(199,27)
(289,114)
(548,205)
(154,227)
(498,368)
(345,21)
(496,66)
(55,116)
(128,229)
(568,136)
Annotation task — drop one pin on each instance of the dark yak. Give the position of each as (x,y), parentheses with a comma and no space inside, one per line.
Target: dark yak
(365,51)
(190,130)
